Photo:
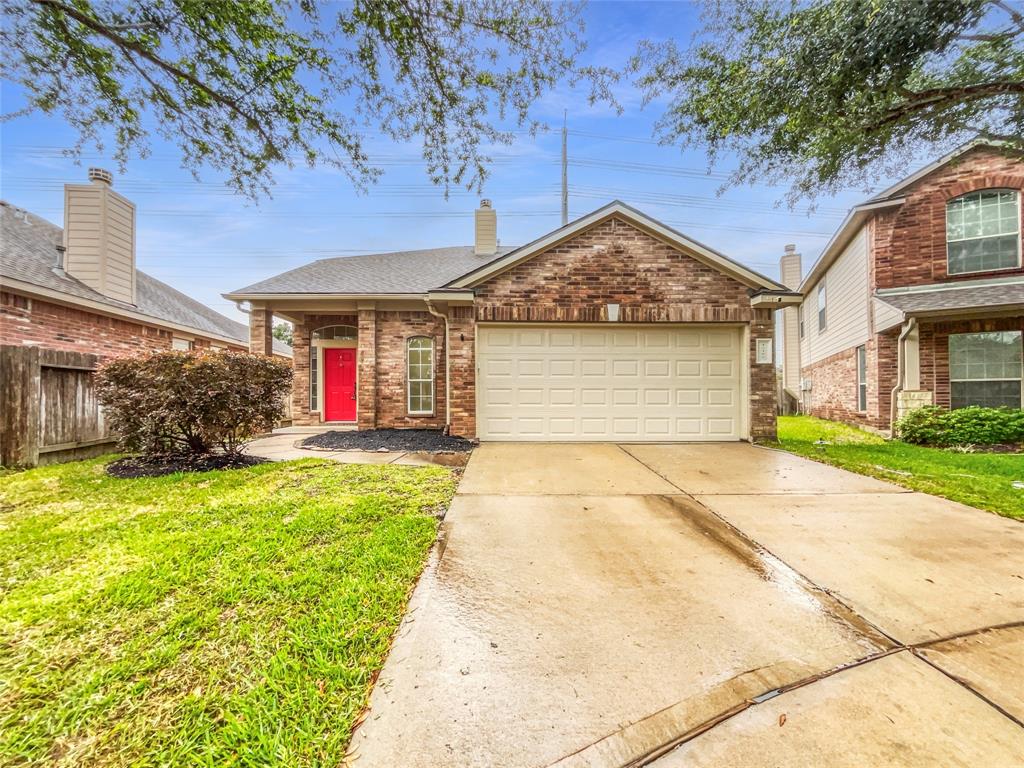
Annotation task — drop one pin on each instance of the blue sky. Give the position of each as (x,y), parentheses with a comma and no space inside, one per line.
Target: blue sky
(203,240)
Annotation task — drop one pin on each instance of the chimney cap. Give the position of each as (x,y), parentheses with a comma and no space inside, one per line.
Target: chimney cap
(99,174)
(790,248)
(485,203)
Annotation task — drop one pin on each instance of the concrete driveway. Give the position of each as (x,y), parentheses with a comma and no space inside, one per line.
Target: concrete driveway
(711,605)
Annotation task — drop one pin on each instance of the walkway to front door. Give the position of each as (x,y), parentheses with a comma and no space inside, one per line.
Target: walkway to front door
(339,385)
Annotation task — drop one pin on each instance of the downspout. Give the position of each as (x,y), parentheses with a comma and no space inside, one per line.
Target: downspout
(447,369)
(900,372)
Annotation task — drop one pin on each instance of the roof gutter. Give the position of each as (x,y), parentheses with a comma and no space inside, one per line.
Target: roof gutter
(447,369)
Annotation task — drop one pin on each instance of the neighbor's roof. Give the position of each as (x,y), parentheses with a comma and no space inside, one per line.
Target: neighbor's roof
(399,272)
(961,297)
(28,254)
(409,273)
(887,198)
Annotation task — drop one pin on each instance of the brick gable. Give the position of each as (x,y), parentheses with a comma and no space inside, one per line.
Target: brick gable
(909,243)
(613,262)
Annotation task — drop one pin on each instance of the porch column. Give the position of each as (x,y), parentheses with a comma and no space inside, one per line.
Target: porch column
(261,328)
(367,352)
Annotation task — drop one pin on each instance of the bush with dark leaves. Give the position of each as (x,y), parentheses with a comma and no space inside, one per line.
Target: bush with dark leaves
(973,425)
(192,402)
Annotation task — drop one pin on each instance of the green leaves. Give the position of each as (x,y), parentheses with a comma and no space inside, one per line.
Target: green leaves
(244,86)
(824,94)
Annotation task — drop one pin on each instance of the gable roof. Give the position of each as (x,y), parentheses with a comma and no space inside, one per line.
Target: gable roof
(888,198)
(28,255)
(415,274)
(639,219)
(398,273)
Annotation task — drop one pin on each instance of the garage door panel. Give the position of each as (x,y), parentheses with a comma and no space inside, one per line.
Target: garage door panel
(636,384)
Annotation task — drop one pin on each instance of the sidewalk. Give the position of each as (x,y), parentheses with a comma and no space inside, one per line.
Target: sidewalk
(283,445)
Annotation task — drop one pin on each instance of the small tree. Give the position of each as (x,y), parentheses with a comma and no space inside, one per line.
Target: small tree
(192,402)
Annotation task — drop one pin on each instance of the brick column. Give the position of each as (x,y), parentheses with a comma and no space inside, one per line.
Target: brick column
(300,366)
(261,327)
(462,361)
(367,353)
(762,379)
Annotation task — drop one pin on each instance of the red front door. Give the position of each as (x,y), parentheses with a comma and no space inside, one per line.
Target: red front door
(339,385)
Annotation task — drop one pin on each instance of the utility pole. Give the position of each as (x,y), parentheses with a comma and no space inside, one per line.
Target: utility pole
(565,168)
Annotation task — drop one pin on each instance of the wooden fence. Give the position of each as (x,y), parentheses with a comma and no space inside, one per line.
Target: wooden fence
(48,407)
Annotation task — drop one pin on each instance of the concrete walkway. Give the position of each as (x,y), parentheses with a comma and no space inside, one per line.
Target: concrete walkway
(283,445)
(712,605)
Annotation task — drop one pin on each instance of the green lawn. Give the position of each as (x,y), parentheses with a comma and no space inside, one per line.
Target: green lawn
(215,619)
(982,480)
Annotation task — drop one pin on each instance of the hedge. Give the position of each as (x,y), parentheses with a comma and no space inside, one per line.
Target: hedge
(973,425)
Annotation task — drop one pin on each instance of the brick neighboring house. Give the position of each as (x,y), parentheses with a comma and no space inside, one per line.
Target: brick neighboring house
(77,289)
(917,299)
(611,328)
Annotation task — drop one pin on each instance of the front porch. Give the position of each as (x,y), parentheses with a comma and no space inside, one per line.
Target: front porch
(375,364)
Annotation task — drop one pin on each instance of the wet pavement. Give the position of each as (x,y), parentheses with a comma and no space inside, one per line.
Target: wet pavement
(713,605)
(285,445)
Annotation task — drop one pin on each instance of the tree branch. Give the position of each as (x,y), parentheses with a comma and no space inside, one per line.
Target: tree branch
(936,97)
(130,45)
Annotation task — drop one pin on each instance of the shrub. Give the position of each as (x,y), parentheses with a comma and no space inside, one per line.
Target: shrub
(192,402)
(974,425)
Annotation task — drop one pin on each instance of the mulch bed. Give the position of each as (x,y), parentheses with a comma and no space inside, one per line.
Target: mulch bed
(404,440)
(156,466)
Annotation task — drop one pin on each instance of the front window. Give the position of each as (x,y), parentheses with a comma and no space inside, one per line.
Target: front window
(862,378)
(985,369)
(821,307)
(420,372)
(983,231)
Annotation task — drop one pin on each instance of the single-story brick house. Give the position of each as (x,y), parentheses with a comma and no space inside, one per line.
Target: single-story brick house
(77,288)
(917,299)
(614,327)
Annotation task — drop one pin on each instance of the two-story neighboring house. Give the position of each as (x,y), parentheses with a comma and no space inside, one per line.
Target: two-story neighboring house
(917,299)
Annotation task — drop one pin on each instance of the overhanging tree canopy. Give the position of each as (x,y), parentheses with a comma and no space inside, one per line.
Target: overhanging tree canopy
(827,94)
(245,85)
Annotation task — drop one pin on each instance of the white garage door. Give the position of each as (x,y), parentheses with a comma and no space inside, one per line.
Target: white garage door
(642,383)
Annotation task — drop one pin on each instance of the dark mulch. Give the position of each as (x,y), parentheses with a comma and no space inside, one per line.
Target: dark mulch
(156,466)
(418,440)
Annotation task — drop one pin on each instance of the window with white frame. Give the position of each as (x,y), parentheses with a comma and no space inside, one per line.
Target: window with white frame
(821,307)
(985,369)
(862,378)
(181,345)
(983,231)
(420,375)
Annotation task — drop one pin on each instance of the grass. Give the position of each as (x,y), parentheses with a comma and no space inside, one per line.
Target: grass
(983,480)
(233,618)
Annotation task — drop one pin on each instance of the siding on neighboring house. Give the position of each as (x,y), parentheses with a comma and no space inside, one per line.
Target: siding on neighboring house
(846,301)
(885,316)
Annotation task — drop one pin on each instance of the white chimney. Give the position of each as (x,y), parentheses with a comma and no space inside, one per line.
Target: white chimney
(99,235)
(486,242)
(789,276)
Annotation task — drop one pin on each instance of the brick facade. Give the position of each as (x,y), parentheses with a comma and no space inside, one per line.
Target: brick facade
(613,262)
(909,243)
(935,349)
(25,320)
(908,248)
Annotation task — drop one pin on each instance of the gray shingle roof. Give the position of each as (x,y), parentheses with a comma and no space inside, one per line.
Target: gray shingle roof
(377,273)
(913,302)
(28,252)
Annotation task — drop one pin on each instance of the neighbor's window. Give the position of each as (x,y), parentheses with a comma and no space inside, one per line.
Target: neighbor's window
(800,319)
(985,369)
(983,231)
(862,378)
(420,372)
(181,345)
(821,306)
